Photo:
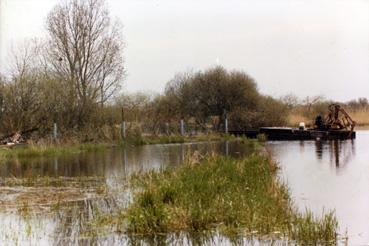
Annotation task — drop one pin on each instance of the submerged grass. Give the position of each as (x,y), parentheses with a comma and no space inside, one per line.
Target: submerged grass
(238,198)
(32,150)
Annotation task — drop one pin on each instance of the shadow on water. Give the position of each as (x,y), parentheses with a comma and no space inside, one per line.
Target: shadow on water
(51,200)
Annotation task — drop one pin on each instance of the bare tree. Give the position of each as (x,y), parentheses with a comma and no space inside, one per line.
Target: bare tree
(85,47)
(290,100)
(134,104)
(310,101)
(20,93)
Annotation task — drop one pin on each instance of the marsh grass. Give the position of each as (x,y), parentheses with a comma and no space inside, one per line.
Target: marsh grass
(51,150)
(309,228)
(138,140)
(238,198)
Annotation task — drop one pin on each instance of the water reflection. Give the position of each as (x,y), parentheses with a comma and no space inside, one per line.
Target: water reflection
(63,220)
(115,161)
(340,152)
(331,175)
(319,149)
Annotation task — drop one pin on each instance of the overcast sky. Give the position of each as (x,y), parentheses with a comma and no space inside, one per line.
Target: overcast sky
(305,47)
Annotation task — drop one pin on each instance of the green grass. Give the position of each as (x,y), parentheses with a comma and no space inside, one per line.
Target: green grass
(54,150)
(33,151)
(238,198)
(168,139)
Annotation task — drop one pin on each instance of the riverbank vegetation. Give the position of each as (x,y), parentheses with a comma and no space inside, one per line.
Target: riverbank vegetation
(138,139)
(55,149)
(235,197)
(58,81)
(50,150)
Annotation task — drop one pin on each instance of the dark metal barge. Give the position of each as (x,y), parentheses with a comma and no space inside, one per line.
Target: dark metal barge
(284,133)
(337,125)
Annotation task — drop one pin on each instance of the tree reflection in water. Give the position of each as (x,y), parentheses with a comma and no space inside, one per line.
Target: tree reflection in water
(65,222)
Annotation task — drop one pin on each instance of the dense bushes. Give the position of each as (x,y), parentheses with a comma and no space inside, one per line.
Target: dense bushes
(270,112)
(38,98)
(217,92)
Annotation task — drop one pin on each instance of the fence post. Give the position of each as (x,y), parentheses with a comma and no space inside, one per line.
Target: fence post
(182,127)
(225,121)
(226,125)
(167,128)
(123,130)
(123,127)
(55,131)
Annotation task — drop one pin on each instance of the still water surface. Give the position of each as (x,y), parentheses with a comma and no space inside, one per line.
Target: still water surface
(330,175)
(320,174)
(56,197)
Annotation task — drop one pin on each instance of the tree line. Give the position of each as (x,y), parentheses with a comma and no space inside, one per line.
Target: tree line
(68,77)
(74,76)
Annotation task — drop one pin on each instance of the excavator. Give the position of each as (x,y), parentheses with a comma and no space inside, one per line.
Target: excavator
(336,125)
(337,119)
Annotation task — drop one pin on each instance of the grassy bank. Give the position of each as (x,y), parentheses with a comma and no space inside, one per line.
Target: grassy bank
(54,150)
(238,198)
(33,150)
(173,138)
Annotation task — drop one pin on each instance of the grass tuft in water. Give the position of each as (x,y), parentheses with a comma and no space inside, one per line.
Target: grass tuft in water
(309,228)
(236,197)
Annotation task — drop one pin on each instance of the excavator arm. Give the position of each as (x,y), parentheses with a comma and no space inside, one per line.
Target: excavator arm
(334,121)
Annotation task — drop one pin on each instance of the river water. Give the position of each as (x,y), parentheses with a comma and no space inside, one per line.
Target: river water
(48,201)
(330,175)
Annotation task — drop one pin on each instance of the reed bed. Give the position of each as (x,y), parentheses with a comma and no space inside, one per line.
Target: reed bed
(237,198)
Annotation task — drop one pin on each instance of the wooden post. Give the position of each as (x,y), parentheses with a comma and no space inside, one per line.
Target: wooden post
(55,131)
(182,127)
